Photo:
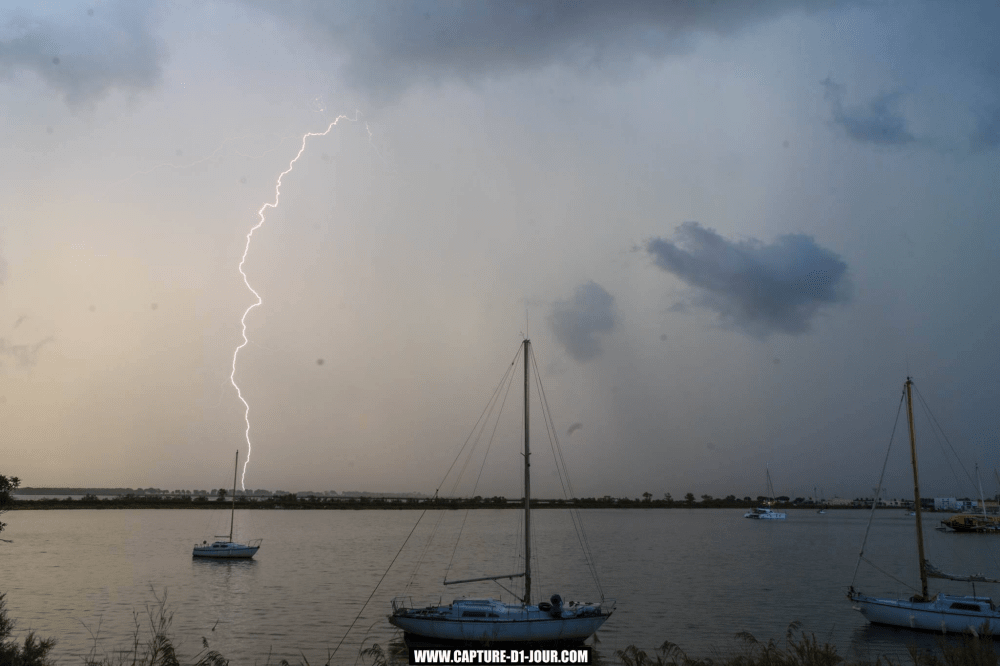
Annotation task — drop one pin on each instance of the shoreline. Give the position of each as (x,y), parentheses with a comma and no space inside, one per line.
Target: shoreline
(377,504)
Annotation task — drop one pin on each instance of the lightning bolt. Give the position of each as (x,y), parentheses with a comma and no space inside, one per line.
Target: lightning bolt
(243,320)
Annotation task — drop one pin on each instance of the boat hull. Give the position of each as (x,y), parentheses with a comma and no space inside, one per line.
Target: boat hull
(227,550)
(764,514)
(503,623)
(973,524)
(944,613)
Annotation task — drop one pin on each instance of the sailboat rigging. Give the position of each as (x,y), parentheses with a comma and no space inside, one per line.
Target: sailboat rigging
(491,620)
(228,549)
(942,612)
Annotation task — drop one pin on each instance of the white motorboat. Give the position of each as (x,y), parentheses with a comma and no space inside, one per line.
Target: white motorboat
(228,549)
(946,613)
(493,621)
(763,513)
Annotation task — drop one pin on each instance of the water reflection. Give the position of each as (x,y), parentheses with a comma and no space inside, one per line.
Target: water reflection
(875,640)
(227,591)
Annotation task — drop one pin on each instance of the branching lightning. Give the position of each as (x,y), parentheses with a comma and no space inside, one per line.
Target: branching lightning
(243,320)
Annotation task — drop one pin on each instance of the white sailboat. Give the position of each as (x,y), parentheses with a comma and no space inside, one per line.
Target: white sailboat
(765,512)
(946,613)
(493,621)
(228,549)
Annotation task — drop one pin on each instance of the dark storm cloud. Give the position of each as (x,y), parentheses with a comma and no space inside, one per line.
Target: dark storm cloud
(878,122)
(578,321)
(85,56)
(389,46)
(758,288)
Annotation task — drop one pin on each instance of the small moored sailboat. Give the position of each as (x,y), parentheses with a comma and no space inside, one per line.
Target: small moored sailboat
(228,549)
(765,512)
(493,621)
(942,612)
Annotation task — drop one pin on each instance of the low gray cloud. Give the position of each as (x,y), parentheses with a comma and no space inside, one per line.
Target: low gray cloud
(986,135)
(573,428)
(83,57)
(578,321)
(390,46)
(878,122)
(757,288)
(25,356)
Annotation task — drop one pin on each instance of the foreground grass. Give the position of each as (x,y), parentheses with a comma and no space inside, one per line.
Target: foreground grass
(800,649)
(152,644)
(33,652)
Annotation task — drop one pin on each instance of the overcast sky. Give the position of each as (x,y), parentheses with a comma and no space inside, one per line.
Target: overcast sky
(730,229)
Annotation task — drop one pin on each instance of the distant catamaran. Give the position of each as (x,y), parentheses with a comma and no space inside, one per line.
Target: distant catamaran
(228,549)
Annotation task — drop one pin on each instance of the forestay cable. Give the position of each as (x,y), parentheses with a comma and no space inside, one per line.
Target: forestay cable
(878,492)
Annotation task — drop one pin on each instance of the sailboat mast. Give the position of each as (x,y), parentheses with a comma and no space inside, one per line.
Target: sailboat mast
(232,514)
(527,484)
(982,498)
(916,490)
(770,487)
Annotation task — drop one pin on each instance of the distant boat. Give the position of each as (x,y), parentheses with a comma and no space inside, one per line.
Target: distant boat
(821,511)
(765,512)
(492,621)
(942,612)
(974,522)
(228,549)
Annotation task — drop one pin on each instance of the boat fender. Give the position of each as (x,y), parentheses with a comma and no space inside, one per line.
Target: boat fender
(544,606)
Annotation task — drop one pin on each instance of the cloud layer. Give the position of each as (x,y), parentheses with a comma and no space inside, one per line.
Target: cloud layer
(878,122)
(390,46)
(25,356)
(112,47)
(758,288)
(578,321)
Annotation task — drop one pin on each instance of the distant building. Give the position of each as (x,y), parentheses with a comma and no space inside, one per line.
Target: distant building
(945,504)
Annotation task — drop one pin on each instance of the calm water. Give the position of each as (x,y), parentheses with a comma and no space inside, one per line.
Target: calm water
(694,577)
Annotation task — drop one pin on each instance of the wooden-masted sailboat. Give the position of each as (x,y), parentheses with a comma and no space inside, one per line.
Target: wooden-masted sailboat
(493,621)
(970,522)
(942,612)
(228,549)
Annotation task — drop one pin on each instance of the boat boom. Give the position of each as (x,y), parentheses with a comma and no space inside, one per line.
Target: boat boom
(473,580)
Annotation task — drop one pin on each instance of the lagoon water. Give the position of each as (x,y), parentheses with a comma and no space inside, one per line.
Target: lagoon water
(693,577)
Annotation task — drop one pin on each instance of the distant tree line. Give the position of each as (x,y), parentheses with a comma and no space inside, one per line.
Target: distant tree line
(646,501)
